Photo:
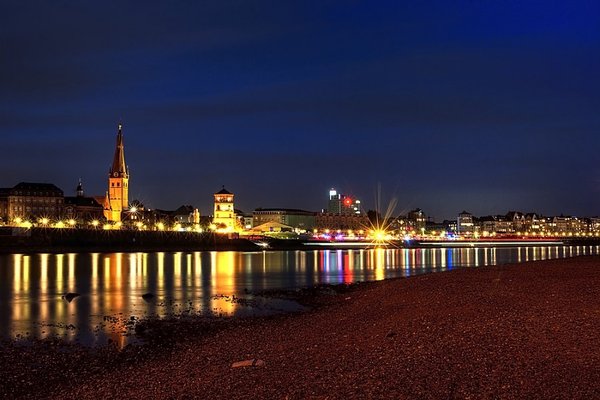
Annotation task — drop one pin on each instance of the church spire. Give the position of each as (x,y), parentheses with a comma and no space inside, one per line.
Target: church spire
(119,169)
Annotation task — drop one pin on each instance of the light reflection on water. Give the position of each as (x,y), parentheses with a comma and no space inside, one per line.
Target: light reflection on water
(112,284)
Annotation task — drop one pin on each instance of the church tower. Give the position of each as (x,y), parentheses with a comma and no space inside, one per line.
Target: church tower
(224,217)
(118,182)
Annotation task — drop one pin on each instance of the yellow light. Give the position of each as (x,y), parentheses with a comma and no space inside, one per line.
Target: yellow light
(95,223)
(44,221)
(106,227)
(18,220)
(133,209)
(59,224)
(160,226)
(139,225)
(72,222)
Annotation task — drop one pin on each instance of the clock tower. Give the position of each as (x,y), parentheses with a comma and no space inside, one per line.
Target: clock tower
(118,182)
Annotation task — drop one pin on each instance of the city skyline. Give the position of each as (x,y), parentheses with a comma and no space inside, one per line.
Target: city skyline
(486,108)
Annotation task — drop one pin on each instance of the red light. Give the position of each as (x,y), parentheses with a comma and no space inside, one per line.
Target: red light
(347,201)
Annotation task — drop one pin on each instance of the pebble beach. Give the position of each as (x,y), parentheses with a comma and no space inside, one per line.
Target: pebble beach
(527,330)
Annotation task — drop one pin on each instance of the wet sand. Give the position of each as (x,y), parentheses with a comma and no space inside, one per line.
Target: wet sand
(530,330)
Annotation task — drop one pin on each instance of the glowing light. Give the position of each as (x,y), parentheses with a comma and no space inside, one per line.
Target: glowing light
(160,226)
(133,209)
(44,221)
(72,222)
(95,223)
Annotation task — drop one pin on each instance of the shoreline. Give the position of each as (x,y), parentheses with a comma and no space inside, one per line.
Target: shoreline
(44,240)
(510,331)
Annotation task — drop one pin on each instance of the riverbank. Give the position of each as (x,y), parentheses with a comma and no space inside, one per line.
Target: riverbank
(515,331)
(51,240)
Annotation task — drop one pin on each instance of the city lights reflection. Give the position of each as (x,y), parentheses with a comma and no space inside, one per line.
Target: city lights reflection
(111,287)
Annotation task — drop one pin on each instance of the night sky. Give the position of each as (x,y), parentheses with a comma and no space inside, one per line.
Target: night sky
(486,106)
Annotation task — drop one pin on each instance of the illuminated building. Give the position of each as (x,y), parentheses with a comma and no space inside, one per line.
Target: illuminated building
(341,221)
(184,214)
(417,219)
(82,208)
(343,204)
(31,201)
(516,220)
(298,219)
(224,218)
(118,182)
(464,223)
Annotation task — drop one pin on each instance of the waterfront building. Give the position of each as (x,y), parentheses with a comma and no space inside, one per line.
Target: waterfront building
(297,219)
(593,224)
(567,224)
(224,219)
(417,220)
(81,208)
(31,201)
(343,204)
(465,224)
(272,227)
(184,214)
(532,223)
(118,182)
(342,221)
(516,221)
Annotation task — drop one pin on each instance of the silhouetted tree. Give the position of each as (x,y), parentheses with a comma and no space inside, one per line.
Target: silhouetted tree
(374,217)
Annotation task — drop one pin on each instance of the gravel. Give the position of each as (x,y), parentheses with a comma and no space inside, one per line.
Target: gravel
(528,330)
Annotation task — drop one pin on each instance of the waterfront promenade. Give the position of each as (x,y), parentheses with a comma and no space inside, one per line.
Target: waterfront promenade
(514,331)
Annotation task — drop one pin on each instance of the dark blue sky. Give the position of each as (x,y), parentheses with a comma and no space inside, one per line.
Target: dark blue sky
(449,105)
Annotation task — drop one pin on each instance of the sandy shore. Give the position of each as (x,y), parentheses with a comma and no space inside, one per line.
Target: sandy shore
(517,331)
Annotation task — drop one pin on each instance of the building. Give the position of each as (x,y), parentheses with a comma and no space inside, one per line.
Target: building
(271,227)
(343,204)
(185,214)
(118,182)
(417,220)
(81,208)
(464,224)
(297,219)
(224,218)
(342,221)
(31,201)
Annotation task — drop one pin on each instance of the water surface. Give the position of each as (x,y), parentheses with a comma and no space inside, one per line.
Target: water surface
(111,285)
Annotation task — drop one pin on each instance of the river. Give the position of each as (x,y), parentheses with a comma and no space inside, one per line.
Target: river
(111,286)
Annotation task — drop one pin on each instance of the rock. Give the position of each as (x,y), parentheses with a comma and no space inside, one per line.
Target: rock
(148,297)
(70,296)
(254,362)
